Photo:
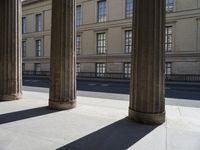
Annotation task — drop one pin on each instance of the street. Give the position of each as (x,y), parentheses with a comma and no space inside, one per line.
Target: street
(173,90)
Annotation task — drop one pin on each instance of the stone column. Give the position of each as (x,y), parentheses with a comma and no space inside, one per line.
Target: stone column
(147,102)
(63,56)
(10,50)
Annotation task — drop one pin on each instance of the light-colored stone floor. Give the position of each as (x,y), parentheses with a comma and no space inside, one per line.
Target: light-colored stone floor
(95,124)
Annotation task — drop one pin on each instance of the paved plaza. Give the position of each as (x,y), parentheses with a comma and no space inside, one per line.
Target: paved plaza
(95,124)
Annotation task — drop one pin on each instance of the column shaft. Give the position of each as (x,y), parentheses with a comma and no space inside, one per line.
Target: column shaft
(10,50)
(147,103)
(63,56)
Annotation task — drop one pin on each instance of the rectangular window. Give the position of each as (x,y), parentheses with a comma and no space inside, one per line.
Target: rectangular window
(78,44)
(169,5)
(168,68)
(23,24)
(101,43)
(23,48)
(23,66)
(37,67)
(168,38)
(100,69)
(101,11)
(78,68)
(128,41)
(127,70)
(78,15)
(38,47)
(129,8)
(39,22)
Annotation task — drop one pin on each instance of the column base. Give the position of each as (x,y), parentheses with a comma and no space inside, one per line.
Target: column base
(61,105)
(10,97)
(147,118)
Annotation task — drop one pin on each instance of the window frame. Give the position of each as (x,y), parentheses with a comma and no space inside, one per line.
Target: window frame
(169,6)
(102,15)
(36,65)
(168,68)
(78,68)
(24,21)
(100,69)
(168,38)
(39,52)
(24,46)
(127,70)
(23,67)
(38,22)
(101,43)
(78,44)
(78,15)
(129,8)
(128,41)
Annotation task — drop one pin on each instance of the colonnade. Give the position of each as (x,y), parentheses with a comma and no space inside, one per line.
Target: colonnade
(147,102)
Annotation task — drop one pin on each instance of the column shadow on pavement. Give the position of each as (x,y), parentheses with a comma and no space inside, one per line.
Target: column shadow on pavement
(118,136)
(24,114)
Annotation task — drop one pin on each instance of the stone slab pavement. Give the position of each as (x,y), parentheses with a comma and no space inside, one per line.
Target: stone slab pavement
(95,124)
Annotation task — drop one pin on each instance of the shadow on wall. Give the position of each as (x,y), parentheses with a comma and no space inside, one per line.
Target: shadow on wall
(118,136)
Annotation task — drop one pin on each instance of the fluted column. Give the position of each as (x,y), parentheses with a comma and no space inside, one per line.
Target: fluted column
(10,50)
(147,102)
(63,57)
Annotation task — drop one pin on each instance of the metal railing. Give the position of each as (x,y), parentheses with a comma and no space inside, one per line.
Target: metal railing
(114,76)
(36,73)
(183,77)
(103,75)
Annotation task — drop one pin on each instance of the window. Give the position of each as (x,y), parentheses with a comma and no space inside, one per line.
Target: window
(39,22)
(78,68)
(37,67)
(168,68)
(23,66)
(38,48)
(100,69)
(101,43)
(169,5)
(23,48)
(23,24)
(78,44)
(129,8)
(127,70)
(168,38)
(101,14)
(78,15)
(128,41)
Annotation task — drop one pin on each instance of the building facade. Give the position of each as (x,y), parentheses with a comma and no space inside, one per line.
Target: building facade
(36,30)
(104,36)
